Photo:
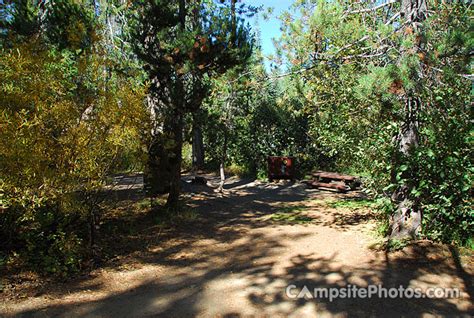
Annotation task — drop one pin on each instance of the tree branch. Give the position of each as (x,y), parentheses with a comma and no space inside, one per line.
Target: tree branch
(301,70)
(390,2)
(466,76)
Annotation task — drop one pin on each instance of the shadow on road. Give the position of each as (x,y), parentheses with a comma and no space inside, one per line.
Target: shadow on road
(226,263)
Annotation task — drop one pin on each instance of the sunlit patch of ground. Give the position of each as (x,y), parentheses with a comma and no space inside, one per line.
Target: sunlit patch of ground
(232,254)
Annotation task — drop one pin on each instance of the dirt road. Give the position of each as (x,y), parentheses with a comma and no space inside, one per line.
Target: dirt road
(244,248)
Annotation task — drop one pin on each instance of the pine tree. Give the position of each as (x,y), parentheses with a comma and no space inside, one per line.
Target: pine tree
(369,71)
(181,44)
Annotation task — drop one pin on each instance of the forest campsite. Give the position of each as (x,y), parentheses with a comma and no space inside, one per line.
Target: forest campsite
(236,158)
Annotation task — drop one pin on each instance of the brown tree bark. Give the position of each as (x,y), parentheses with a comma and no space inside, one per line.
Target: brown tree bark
(233,20)
(157,171)
(406,222)
(163,171)
(176,133)
(175,159)
(198,144)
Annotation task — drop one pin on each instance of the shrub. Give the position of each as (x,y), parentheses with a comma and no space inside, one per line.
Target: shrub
(64,128)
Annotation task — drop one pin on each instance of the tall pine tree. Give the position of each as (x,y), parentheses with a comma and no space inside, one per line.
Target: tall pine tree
(181,43)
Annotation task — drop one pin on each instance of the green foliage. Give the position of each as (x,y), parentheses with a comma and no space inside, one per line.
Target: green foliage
(22,16)
(65,127)
(178,49)
(470,244)
(72,100)
(396,245)
(353,204)
(384,210)
(71,25)
(256,123)
(237,170)
(444,169)
(354,99)
(183,45)
(170,217)
(187,156)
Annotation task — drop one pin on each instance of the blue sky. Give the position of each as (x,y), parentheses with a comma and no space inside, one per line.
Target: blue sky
(270,28)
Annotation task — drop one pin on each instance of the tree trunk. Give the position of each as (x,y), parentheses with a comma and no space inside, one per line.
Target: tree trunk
(175,158)
(222,165)
(176,133)
(222,175)
(233,21)
(157,170)
(163,171)
(182,13)
(198,144)
(407,219)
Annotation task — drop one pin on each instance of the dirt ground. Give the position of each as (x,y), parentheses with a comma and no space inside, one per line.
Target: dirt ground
(241,250)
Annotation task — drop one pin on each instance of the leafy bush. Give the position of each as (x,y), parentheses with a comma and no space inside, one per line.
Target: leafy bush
(65,127)
(359,104)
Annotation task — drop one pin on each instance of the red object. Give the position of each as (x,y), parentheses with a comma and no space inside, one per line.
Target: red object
(281,168)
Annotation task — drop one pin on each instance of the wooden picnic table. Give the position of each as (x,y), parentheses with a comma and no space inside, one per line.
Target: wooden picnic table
(334,176)
(341,187)
(333,181)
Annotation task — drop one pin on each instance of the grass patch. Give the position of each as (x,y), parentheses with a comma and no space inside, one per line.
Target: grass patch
(377,209)
(184,214)
(292,209)
(353,204)
(290,218)
(291,215)
(187,215)
(144,204)
(390,245)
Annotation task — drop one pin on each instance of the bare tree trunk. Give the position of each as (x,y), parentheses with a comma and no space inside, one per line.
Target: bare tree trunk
(222,165)
(407,220)
(227,121)
(222,176)
(198,144)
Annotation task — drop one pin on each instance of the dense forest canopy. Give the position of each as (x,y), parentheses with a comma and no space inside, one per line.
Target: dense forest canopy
(92,88)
